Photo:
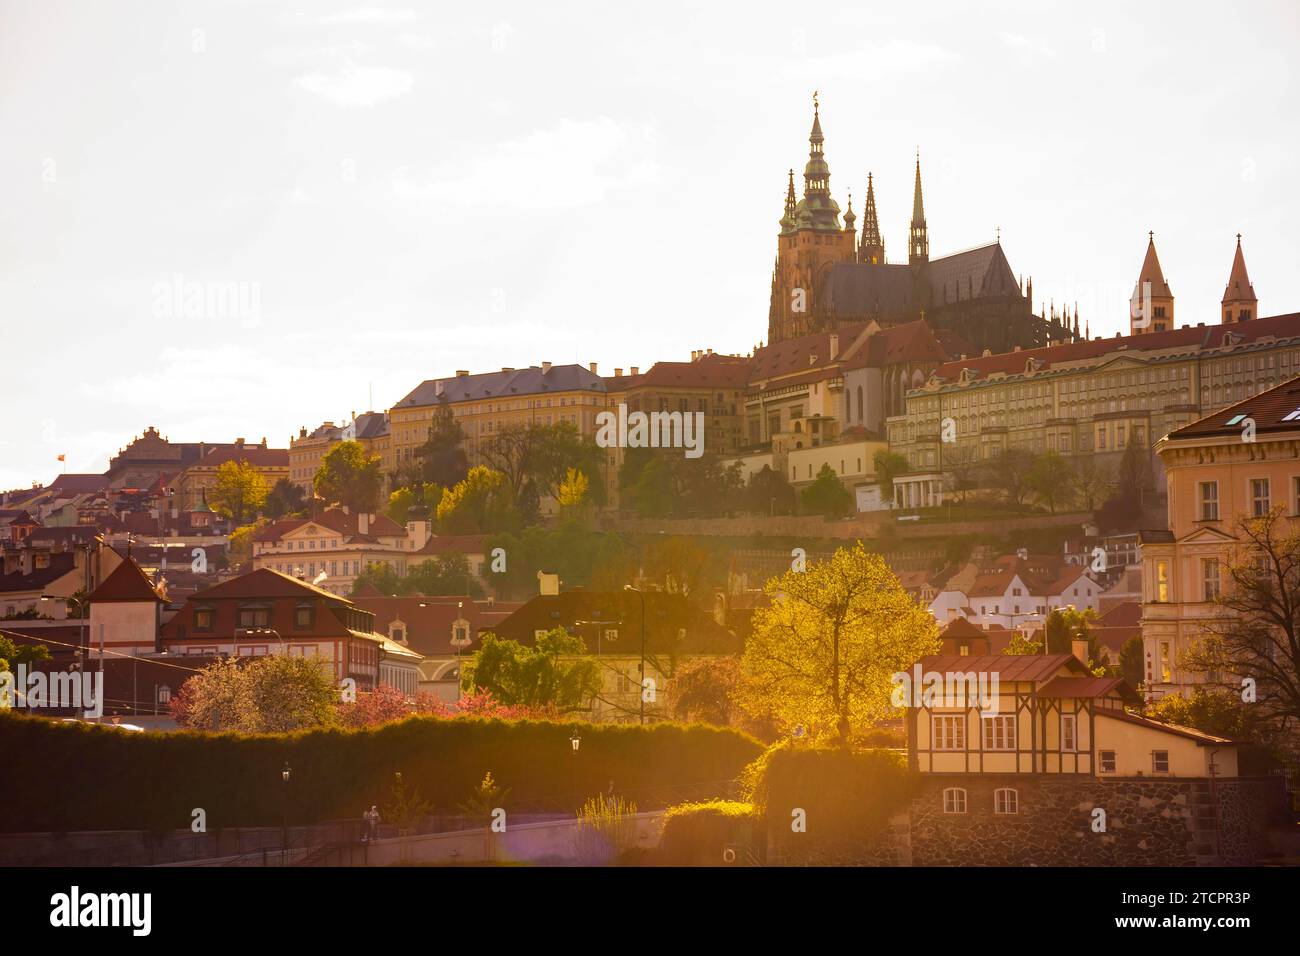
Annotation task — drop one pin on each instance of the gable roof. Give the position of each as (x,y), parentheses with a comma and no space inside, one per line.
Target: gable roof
(710,370)
(1008,667)
(17,582)
(1202,738)
(127,584)
(265,583)
(972,273)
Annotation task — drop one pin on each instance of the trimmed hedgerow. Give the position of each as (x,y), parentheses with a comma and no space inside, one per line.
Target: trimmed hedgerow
(66,776)
(698,834)
(847,797)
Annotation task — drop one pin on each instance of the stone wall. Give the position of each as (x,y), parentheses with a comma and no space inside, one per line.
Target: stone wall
(1148,822)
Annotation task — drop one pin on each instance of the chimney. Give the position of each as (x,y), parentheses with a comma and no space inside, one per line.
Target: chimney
(546,367)
(618,373)
(635,370)
(592,368)
(835,347)
(437,389)
(506,368)
(462,372)
(363,523)
(548,583)
(1016,349)
(1079,648)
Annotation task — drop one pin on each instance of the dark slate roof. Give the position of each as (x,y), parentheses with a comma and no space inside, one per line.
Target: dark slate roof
(973,273)
(17,582)
(861,288)
(488,385)
(1275,410)
(371,424)
(78,484)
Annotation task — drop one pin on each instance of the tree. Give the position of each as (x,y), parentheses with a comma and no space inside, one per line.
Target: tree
(554,672)
(382,577)
(1131,661)
(405,806)
(240,490)
(823,654)
(1065,625)
(557,449)
(272,694)
(1010,472)
(682,565)
(350,477)
(962,470)
(239,546)
(1218,712)
(768,493)
(888,465)
(1093,482)
(1255,632)
(573,490)
(444,574)
(401,501)
(12,654)
(653,494)
(702,689)
(481,504)
(1023,644)
(285,498)
(1135,472)
(441,458)
(1050,480)
(827,495)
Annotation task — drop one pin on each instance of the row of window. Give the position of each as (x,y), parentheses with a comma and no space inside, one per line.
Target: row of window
(1261,498)
(1006,800)
(948,732)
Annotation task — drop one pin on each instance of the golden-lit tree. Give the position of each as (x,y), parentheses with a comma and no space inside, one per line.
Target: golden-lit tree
(822,656)
(239,492)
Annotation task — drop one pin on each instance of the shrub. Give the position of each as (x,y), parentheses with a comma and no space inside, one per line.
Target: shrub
(698,834)
(148,779)
(847,797)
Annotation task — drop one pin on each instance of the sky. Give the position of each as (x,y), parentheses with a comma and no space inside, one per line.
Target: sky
(235,219)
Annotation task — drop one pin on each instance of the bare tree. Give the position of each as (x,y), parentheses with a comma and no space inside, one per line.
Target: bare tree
(1256,633)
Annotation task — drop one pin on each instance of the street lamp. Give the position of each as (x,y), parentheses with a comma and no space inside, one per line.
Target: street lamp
(284,814)
(628,587)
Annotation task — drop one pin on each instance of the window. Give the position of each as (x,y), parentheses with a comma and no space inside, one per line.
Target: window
(1210,577)
(1107,759)
(1259,495)
(1006,800)
(1162,581)
(954,800)
(1209,501)
(254,617)
(203,618)
(999,733)
(1069,724)
(1160,761)
(164,694)
(302,617)
(949,732)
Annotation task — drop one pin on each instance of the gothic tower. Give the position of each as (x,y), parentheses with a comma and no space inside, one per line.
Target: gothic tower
(1239,302)
(872,248)
(918,246)
(810,242)
(1151,308)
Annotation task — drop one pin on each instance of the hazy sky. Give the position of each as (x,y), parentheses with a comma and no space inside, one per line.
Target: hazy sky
(394,192)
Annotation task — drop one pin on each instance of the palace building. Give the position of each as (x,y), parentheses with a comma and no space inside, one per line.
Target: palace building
(827,276)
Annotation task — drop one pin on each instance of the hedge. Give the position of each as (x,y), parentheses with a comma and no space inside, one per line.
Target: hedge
(847,797)
(72,776)
(698,834)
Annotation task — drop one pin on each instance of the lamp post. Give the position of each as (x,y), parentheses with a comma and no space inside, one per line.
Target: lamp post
(628,587)
(574,743)
(284,814)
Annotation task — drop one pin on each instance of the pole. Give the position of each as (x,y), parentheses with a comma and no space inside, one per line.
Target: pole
(642,593)
(100,718)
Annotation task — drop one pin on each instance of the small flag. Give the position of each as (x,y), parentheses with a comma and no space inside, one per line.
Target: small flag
(63,457)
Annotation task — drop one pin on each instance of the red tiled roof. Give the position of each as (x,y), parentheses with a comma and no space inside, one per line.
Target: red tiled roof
(1269,410)
(454,544)
(335,520)
(265,583)
(1204,337)
(1081,687)
(253,454)
(708,371)
(1008,667)
(1128,614)
(127,583)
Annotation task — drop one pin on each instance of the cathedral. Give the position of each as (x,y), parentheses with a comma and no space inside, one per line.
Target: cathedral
(827,275)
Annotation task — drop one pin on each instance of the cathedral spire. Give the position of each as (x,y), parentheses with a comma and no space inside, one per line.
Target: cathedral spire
(819,211)
(872,247)
(788,219)
(918,249)
(1239,302)
(1151,308)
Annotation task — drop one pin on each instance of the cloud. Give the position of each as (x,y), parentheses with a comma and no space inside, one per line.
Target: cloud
(354,86)
(574,163)
(1018,41)
(896,56)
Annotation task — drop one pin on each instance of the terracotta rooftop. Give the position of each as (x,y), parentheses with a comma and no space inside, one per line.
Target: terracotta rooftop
(126,584)
(1274,410)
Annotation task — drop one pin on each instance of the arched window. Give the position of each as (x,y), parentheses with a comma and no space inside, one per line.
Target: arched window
(954,800)
(1006,801)
(860,418)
